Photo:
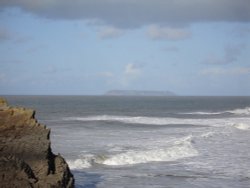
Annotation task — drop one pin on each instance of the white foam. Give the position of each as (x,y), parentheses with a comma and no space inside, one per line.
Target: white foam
(207,134)
(82,162)
(79,164)
(179,151)
(242,126)
(138,120)
(181,148)
(214,122)
(244,111)
(202,113)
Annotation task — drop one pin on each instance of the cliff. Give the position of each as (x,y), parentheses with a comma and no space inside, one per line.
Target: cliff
(139,93)
(26,159)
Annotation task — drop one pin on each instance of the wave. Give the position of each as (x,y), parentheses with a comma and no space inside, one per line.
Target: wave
(214,122)
(243,111)
(242,126)
(83,162)
(240,111)
(127,119)
(144,120)
(207,134)
(181,148)
(135,157)
(202,113)
(139,120)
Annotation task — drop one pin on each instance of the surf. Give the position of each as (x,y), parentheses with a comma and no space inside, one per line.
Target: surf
(242,126)
(238,111)
(181,148)
(147,120)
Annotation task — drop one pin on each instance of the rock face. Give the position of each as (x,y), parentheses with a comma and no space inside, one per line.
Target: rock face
(26,159)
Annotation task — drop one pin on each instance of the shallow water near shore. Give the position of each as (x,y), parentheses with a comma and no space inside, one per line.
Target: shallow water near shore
(149,142)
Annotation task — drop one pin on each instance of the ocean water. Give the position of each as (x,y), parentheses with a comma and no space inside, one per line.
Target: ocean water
(149,142)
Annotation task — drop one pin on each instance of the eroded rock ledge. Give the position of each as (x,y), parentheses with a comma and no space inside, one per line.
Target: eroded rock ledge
(26,159)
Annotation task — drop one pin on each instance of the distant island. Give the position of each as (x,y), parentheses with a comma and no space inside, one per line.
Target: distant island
(139,93)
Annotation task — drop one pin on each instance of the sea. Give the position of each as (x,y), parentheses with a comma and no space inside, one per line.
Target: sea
(149,142)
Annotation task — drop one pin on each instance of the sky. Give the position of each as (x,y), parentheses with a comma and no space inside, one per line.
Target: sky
(87,47)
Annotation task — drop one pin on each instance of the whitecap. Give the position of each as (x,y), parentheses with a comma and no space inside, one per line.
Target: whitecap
(201,113)
(181,150)
(207,134)
(84,161)
(147,120)
(79,163)
(140,120)
(242,126)
(239,111)
(243,111)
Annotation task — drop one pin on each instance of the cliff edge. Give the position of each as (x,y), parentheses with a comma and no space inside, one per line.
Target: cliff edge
(26,159)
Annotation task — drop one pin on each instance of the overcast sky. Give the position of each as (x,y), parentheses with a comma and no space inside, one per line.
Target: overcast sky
(82,47)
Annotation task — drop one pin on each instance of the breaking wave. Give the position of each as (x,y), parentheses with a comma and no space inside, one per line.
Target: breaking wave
(83,162)
(202,113)
(181,148)
(173,153)
(208,134)
(217,122)
(242,126)
(243,111)
(135,120)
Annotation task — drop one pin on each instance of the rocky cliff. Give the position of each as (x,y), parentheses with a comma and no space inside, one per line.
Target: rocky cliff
(26,159)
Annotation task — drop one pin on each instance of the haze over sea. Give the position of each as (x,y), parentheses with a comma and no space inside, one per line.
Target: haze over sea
(149,142)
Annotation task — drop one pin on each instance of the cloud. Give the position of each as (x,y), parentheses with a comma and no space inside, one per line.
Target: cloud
(231,55)
(122,79)
(136,13)
(229,71)
(132,70)
(110,32)
(167,33)
(130,74)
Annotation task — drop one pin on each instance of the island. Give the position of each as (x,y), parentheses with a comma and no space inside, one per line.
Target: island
(139,93)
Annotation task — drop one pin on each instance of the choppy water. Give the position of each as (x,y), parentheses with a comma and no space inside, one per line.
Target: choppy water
(149,142)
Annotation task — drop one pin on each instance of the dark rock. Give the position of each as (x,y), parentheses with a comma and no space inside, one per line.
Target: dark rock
(26,159)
